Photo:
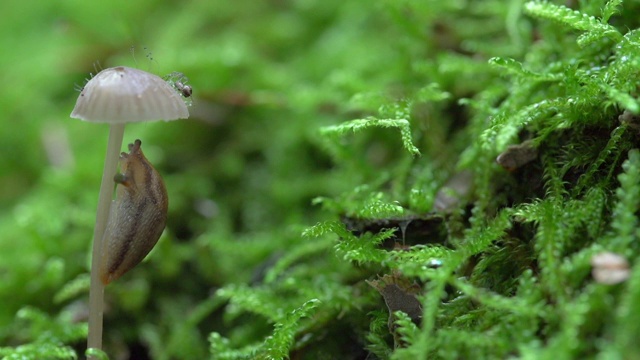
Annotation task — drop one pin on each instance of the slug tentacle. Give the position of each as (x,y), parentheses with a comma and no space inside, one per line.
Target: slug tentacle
(138,215)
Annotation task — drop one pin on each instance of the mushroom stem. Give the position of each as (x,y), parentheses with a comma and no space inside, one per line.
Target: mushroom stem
(96,292)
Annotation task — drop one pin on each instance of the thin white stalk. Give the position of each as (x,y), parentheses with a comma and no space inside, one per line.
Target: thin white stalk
(96,292)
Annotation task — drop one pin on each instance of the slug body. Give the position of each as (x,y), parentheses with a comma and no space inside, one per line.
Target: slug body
(138,215)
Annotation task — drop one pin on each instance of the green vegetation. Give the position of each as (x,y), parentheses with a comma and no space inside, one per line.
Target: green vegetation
(335,193)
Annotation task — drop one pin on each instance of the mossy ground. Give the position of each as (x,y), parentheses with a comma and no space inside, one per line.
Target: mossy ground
(335,193)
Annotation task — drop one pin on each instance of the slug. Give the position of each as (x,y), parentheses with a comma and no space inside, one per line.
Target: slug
(137,217)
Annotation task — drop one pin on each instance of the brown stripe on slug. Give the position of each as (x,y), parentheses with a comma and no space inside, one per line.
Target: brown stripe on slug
(138,215)
(117,259)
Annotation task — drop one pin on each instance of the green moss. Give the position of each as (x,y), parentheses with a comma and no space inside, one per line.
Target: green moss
(333,143)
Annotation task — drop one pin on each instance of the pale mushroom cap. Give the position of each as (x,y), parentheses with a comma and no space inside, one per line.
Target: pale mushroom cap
(122,94)
(609,268)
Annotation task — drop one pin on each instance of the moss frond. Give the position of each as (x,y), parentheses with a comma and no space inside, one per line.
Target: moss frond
(277,346)
(624,222)
(79,285)
(609,155)
(626,323)
(574,19)
(39,350)
(612,7)
(47,336)
(334,132)
(516,68)
(378,334)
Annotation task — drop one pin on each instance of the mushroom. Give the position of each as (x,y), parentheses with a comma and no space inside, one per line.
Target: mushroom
(117,96)
(609,268)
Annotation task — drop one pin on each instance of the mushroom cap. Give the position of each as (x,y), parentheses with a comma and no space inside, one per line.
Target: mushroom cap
(121,94)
